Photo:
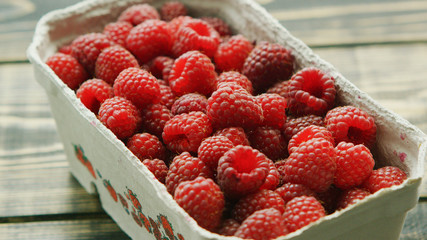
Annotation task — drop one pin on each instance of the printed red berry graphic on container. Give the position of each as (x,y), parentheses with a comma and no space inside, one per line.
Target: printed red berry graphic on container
(78,150)
(110,189)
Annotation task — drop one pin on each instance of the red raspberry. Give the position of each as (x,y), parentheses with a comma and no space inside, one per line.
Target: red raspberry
(384,177)
(167,97)
(263,224)
(267,64)
(161,66)
(186,131)
(351,196)
(232,53)
(93,92)
(301,211)
(171,10)
(117,32)
(203,200)
(235,134)
(184,167)
(273,108)
(158,168)
(120,116)
(137,85)
(354,164)
(308,133)
(68,69)
(235,77)
(228,227)
(112,61)
(294,125)
(139,13)
(145,145)
(312,164)
(193,72)
(269,141)
(273,178)
(232,106)
(149,39)
(86,49)
(280,88)
(212,149)
(196,34)
(351,124)
(66,49)
(176,23)
(154,118)
(190,102)
(218,24)
(241,171)
(290,190)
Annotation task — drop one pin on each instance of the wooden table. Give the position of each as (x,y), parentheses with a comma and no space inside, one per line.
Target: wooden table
(381,46)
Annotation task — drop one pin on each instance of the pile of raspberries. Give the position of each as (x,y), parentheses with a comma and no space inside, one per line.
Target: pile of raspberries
(246,142)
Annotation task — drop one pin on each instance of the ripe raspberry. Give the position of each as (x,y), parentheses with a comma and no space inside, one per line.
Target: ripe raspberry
(351,124)
(193,72)
(111,61)
(263,224)
(354,164)
(171,10)
(65,49)
(308,133)
(232,53)
(235,77)
(351,196)
(160,67)
(139,13)
(273,178)
(228,227)
(186,131)
(93,92)
(120,116)
(146,146)
(235,134)
(149,39)
(383,178)
(273,108)
(301,211)
(232,106)
(280,88)
(219,25)
(190,102)
(212,149)
(185,167)
(158,167)
(312,164)
(241,171)
(267,64)
(294,125)
(203,200)
(117,32)
(269,141)
(176,23)
(290,190)
(86,49)
(154,118)
(196,34)
(138,86)
(68,69)
(167,97)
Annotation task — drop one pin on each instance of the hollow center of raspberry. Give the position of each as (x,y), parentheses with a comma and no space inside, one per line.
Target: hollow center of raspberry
(245,162)
(355,134)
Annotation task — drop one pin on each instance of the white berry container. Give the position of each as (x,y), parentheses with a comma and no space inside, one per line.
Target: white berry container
(140,205)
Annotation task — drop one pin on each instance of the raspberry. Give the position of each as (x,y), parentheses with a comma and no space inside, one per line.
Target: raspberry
(68,69)
(269,141)
(120,116)
(301,211)
(280,88)
(351,124)
(117,32)
(351,196)
(294,125)
(312,164)
(232,106)
(112,61)
(176,23)
(171,10)
(308,133)
(186,131)
(158,168)
(218,24)
(66,49)
(139,13)
(290,190)
(273,178)
(354,164)
(231,54)
(235,77)
(212,149)
(185,167)
(189,102)
(154,118)
(384,177)
(193,72)
(86,49)
(149,39)
(138,86)
(161,66)
(196,34)
(167,97)
(241,171)
(263,224)
(273,108)
(235,134)
(146,146)
(203,200)
(228,227)
(93,92)
(267,64)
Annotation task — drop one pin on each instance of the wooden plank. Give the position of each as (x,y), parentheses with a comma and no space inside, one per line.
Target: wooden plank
(415,226)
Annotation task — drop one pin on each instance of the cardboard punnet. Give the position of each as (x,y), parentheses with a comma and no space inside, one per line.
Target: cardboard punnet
(139,204)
